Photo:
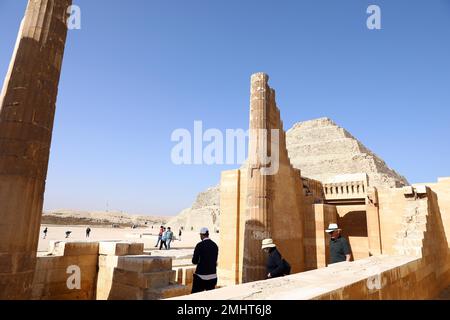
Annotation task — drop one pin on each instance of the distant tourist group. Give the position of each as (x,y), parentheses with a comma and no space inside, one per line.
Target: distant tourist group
(165,238)
(67,233)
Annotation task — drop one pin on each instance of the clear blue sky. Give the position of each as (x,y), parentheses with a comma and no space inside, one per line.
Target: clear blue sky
(139,69)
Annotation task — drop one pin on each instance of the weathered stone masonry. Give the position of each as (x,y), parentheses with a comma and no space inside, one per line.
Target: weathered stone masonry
(27,109)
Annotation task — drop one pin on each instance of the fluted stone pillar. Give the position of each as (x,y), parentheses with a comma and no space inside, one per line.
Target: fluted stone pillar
(27,109)
(257,226)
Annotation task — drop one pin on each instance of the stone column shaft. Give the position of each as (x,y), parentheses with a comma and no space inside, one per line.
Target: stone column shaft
(27,109)
(257,225)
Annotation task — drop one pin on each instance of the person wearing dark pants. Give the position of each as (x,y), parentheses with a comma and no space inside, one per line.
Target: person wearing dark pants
(161,231)
(163,240)
(205,257)
(200,285)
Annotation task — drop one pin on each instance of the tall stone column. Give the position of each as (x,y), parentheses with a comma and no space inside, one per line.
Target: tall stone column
(27,109)
(257,226)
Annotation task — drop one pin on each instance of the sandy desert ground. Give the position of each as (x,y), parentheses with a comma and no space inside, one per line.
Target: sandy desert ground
(146,235)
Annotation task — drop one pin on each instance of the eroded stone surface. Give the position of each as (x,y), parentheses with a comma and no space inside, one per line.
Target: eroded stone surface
(27,109)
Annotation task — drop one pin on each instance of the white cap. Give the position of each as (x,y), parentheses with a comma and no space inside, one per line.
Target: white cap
(332,227)
(204,231)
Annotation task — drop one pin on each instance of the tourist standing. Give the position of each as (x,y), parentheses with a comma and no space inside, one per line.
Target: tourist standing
(88,232)
(179,235)
(169,238)
(161,231)
(163,239)
(68,234)
(45,232)
(339,247)
(205,257)
(276,266)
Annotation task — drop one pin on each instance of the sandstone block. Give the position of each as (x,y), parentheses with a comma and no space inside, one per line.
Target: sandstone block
(171,291)
(37,291)
(178,278)
(421,189)
(61,248)
(61,275)
(76,295)
(157,279)
(144,264)
(188,276)
(125,292)
(136,248)
(114,248)
(408,190)
(54,262)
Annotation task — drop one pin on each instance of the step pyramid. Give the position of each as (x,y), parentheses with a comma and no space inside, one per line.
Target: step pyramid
(322,150)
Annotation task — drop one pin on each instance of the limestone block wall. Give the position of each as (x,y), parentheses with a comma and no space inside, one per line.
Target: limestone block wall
(421,233)
(442,190)
(417,266)
(51,274)
(316,242)
(232,203)
(313,189)
(383,277)
(388,281)
(435,250)
(353,221)
(108,271)
(406,217)
(125,274)
(392,206)
(373,222)
(378,278)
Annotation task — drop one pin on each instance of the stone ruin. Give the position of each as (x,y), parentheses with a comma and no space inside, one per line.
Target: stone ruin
(322,151)
(399,236)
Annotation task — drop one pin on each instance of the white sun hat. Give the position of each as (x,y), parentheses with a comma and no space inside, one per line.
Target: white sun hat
(268,243)
(332,227)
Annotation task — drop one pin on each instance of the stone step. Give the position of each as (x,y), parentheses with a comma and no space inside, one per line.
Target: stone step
(171,291)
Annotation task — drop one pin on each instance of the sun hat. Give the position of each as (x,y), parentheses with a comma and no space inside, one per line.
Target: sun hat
(268,243)
(204,231)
